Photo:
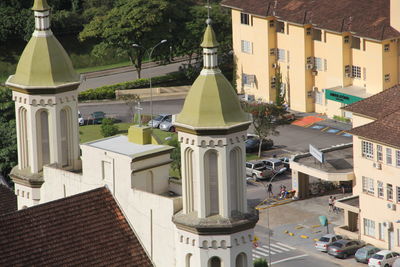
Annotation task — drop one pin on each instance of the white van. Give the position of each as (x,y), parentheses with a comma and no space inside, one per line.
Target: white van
(81,121)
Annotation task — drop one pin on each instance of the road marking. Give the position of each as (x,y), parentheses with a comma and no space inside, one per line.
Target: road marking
(265,254)
(285,245)
(288,259)
(265,249)
(272,249)
(280,247)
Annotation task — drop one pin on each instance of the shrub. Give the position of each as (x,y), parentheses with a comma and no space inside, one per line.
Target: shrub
(108,128)
(260,263)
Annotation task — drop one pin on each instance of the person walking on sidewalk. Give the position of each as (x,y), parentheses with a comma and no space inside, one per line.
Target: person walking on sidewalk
(269,190)
(330,202)
(335,209)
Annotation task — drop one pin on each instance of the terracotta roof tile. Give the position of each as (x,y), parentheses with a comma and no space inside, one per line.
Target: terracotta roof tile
(8,200)
(367,18)
(385,130)
(379,105)
(87,229)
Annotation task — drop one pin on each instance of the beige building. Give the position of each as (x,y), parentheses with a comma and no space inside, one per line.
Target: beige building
(372,214)
(330,54)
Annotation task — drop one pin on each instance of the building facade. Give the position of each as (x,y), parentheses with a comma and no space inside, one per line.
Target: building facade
(372,214)
(328,55)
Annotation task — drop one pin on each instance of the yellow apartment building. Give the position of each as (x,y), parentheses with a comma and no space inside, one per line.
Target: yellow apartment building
(330,53)
(373,212)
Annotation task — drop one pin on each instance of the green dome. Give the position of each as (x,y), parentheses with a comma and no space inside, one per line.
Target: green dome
(212,102)
(40,5)
(44,63)
(209,38)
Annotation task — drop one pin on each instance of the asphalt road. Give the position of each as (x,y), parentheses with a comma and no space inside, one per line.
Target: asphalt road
(127,76)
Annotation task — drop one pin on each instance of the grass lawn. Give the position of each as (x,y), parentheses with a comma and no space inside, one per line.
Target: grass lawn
(251,156)
(105,67)
(92,132)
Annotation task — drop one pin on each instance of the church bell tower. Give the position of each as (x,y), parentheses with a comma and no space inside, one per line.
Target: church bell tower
(45,94)
(215,227)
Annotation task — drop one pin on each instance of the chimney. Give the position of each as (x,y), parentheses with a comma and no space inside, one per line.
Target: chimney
(395,14)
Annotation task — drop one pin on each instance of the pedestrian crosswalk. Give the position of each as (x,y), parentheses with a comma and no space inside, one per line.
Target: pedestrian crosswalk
(263,250)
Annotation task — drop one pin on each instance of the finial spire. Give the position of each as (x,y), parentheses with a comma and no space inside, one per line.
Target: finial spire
(208,10)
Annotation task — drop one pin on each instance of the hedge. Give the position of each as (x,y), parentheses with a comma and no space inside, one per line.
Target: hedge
(108,91)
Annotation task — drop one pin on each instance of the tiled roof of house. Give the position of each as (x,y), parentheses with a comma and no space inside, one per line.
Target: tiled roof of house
(366,18)
(385,130)
(87,229)
(379,105)
(8,200)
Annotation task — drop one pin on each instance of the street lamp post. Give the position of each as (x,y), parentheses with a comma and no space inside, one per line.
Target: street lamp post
(151,88)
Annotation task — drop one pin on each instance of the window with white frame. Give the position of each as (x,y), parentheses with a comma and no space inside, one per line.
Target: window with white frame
(397,158)
(380,189)
(389,192)
(364,74)
(371,188)
(356,72)
(245,18)
(319,96)
(389,156)
(369,227)
(367,150)
(364,184)
(379,153)
(280,26)
(281,55)
(382,232)
(397,194)
(248,79)
(247,47)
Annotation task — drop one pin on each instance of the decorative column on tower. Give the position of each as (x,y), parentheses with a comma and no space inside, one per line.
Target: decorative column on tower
(45,93)
(215,227)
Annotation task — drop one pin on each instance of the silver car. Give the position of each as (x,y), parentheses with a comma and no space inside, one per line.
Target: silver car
(157,120)
(167,125)
(323,243)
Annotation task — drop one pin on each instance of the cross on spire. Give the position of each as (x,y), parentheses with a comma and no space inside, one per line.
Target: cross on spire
(139,110)
(208,6)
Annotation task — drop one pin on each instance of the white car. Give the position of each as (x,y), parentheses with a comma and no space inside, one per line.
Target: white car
(323,243)
(384,258)
(81,121)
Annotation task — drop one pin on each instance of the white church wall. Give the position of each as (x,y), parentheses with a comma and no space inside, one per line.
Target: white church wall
(150,215)
(26,196)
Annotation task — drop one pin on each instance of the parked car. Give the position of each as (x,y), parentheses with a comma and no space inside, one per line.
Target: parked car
(384,258)
(275,165)
(98,117)
(365,253)
(155,122)
(257,170)
(286,162)
(252,144)
(344,248)
(167,125)
(81,121)
(323,243)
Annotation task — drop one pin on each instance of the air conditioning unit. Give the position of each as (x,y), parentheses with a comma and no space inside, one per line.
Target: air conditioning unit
(274,65)
(272,51)
(391,206)
(314,88)
(310,60)
(377,165)
(309,66)
(348,75)
(314,72)
(308,31)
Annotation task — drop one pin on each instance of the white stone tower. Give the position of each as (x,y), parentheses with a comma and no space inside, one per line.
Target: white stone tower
(45,94)
(215,227)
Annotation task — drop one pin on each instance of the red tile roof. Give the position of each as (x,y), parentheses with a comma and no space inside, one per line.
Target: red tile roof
(366,18)
(379,105)
(8,200)
(385,130)
(87,229)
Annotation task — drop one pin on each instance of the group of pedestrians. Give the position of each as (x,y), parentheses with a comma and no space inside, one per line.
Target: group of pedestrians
(332,205)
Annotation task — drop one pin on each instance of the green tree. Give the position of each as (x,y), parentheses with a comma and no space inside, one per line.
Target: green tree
(8,140)
(260,262)
(108,128)
(280,93)
(143,22)
(176,155)
(265,119)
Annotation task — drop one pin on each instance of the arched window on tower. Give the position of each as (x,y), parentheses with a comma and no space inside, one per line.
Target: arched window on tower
(241,260)
(189,188)
(23,138)
(211,182)
(43,138)
(66,136)
(236,183)
(214,262)
(188,260)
